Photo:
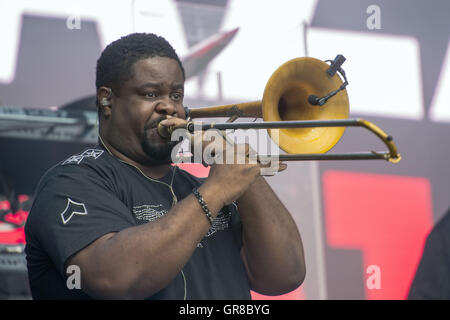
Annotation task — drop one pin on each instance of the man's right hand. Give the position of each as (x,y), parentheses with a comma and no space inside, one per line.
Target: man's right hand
(233,174)
(233,167)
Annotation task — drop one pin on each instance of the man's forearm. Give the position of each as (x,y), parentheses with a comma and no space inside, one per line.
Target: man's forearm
(273,250)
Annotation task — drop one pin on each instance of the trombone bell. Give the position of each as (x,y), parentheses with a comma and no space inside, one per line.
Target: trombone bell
(286,98)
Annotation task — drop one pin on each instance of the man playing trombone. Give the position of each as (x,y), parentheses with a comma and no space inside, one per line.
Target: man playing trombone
(137,227)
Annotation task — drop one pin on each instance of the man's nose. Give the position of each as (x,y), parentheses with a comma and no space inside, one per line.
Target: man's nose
(166,106)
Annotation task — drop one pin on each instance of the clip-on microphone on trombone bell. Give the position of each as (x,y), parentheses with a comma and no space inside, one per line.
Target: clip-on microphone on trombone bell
(335,66)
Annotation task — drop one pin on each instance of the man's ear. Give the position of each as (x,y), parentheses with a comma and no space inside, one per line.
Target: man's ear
(104,95)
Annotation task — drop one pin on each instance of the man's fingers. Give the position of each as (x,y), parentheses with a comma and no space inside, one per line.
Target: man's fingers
(272,167)
(217,151)
(282,166)
(172,121)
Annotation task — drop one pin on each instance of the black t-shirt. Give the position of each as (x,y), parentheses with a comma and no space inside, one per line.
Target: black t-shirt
(432,278)
(92,194)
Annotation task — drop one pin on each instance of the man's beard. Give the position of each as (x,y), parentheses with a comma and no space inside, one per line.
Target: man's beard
(158,153)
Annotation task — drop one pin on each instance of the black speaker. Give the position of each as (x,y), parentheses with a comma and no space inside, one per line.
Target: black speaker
(13,273)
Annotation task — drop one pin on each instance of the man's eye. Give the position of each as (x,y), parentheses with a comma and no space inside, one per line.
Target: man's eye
(177,96)
(151,95)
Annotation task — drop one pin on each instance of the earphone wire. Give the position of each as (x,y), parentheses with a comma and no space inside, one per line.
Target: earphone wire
(174,197)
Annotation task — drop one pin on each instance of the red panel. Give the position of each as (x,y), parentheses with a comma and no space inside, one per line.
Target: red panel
(196,169)
(386,217)
(297,294)
(12,226)
(14,236)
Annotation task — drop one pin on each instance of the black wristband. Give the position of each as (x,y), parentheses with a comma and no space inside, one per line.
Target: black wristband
(203,204)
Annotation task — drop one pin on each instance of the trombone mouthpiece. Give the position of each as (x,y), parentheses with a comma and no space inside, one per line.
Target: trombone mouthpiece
(164,132)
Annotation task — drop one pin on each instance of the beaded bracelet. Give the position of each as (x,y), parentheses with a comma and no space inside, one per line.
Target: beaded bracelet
(203,205)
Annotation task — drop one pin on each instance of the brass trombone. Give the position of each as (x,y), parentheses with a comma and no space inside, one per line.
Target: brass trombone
(306,100)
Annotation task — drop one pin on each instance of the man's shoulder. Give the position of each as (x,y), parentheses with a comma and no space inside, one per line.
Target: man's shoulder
(89,155)
(91,158)
(90,161)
